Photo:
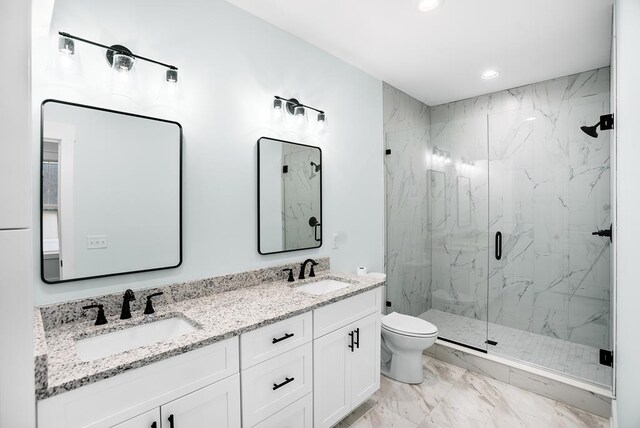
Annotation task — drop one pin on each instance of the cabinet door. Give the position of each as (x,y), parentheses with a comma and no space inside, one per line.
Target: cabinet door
(146,420)
(365,360)
(215,406)
(331,369)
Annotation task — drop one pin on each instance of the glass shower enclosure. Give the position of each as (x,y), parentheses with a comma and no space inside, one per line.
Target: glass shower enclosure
(490,218)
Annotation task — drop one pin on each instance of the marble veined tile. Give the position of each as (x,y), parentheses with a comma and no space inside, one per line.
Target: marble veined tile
(569,417)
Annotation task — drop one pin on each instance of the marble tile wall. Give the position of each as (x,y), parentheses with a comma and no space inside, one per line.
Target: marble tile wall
(530,173)
(549,188)
(408,241)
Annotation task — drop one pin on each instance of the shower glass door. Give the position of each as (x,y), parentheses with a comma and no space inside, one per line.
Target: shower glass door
(549,277)
(437,227)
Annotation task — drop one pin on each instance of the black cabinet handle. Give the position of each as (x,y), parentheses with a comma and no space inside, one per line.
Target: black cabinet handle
(280,385)
(498,245)
(357,341)
(280,339)
(154,425)
(351,336)
(170,419)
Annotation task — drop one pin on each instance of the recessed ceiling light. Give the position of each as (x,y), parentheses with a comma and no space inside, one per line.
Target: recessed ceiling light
(490,74)
(429,5)
(530,119)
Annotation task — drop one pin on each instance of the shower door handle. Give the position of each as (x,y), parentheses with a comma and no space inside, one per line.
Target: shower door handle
(498,245)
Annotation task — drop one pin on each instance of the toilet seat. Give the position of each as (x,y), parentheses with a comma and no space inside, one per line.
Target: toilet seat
(406,325)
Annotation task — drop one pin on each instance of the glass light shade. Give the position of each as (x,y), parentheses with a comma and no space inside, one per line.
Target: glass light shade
(299,111)
(123,62)
(322,121)
(277,104)
(66,45)
(172,75)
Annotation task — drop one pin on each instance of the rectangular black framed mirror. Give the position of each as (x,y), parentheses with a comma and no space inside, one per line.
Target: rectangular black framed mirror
(110,192)
(289,196)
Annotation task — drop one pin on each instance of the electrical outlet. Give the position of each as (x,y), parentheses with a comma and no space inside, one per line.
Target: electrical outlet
(97,242)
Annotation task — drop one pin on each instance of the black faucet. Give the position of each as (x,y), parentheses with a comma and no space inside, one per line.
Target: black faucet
(291,278)
(126,309)
(101,318)
(303,267)
(148,310)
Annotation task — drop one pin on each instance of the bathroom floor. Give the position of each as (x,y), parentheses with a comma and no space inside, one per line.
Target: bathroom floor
(451,396)
(573,359)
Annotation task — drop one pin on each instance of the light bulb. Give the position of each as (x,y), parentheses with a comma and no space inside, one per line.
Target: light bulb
(123,62)
(429,5)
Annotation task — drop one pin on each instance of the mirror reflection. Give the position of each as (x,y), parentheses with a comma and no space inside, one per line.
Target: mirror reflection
(289,196)
(110,192)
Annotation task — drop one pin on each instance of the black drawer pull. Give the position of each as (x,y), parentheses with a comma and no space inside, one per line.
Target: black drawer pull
(280,385)
(154,425)
(170,419)
(351,345)
(285,337)
(357,341)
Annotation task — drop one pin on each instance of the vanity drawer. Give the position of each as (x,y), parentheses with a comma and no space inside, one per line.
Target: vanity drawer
(339,314)
(296,415)
(275,339)
(273,385)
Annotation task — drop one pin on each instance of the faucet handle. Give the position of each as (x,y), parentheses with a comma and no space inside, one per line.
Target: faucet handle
(101,319)
(148,310)
(128,295)
(290,279)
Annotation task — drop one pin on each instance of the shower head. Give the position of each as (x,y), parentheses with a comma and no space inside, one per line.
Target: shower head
(591,131)
(316,166)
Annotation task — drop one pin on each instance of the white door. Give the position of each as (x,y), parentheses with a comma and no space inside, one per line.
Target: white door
(150,419)
(215,406)
(365,360)
(331,391)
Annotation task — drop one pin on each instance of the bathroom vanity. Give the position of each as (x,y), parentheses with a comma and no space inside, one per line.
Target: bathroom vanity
(260,354)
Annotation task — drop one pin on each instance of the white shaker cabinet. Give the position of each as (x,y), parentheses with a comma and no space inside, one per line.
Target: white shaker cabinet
(346,366)
(215,406)
(150,419)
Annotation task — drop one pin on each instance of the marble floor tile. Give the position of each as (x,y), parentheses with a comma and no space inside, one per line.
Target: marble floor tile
(452,397)
(569,417)
(379,417)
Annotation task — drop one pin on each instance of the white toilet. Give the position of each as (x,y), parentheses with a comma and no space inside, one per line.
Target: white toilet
(403,339)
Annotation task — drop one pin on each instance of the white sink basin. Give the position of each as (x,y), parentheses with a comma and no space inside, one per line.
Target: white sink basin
(96,347)
(322,287)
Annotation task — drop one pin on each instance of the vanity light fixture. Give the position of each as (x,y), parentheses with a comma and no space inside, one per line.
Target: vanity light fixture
(119,57)
(298,110)
(490,74)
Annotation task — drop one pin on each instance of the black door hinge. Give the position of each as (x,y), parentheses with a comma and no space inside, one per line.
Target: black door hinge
(388,304)
(606,357)
(606,122)
(388,151)
(285,169)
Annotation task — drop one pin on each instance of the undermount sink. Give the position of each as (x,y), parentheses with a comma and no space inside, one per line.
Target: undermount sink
(322,287)
(104,345)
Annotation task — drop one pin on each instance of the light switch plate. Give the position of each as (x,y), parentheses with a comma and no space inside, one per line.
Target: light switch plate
(97,242)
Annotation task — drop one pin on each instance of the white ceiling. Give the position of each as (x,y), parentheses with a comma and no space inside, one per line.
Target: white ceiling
(438,56)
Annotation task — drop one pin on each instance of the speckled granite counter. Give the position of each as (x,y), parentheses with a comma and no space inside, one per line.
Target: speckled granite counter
(217,315)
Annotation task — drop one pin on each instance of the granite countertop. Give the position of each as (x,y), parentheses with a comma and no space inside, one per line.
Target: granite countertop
(216,316)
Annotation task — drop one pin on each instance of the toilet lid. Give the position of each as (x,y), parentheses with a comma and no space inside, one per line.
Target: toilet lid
(408,325)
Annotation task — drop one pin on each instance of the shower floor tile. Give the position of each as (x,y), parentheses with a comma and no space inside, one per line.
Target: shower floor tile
(568,358)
